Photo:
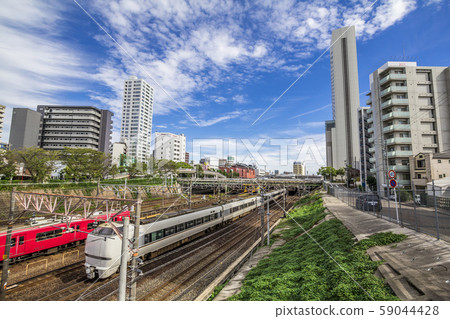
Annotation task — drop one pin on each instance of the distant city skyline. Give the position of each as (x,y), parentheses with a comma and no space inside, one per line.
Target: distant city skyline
(221,65)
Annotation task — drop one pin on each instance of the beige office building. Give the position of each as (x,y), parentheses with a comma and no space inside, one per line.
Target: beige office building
(409,115)
(343,139)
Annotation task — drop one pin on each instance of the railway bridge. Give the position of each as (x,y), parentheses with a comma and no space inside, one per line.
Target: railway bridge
(292,185)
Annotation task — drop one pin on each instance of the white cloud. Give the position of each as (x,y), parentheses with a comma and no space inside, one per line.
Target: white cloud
(240,99)
(232,115)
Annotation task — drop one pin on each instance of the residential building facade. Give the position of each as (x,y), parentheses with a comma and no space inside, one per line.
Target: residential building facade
(74,126)
(409,115)
(137,115)
(119,153)
(364,144)
(170,147)
(345,100)
(244,170)
(2,116)
(426,167)
(24,128)
(299,168)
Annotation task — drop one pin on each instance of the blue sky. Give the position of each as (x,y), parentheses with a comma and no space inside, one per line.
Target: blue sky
(223,62)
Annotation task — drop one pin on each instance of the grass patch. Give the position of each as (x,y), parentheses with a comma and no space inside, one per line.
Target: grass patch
(217,290)
(301,270)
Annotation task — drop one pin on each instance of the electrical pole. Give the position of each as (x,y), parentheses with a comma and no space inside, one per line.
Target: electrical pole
(261,211)
(190,193)
(125,189)
(268,223)
(284,203)
(124,261)
(7,247)
(137,223)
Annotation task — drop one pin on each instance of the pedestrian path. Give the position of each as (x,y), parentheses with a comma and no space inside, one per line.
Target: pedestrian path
(418,268)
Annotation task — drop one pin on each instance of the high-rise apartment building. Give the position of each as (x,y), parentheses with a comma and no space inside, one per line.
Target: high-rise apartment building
(24,128)
(299,168)
(345,99)
(364,144)
(170,147)
(409,115)
(2,116)
(137,114)
(74,126)
(330,134)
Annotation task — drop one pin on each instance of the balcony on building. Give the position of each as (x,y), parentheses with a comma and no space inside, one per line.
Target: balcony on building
(394,89)
(372,160)
(399,154)
(420,181)
(369,101)
(399,168)
(370,140)
(392,77)
(396,127)
(392,102)
(399,140)
(396,114)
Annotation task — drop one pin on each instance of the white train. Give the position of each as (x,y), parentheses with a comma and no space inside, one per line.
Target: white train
(103,246)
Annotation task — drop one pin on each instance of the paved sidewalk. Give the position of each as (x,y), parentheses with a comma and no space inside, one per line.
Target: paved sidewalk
(417,268)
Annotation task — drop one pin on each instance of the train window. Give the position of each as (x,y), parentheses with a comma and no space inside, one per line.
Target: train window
(216,215)
(48,234)
(169,231)
(91,226)
(206,219)
(147,238)
(21,240)
(180,227)
(199,221)
(13,242)
(190,224)
(103,231)
(158,234)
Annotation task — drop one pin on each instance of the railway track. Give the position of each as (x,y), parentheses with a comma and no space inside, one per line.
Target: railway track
(183,282)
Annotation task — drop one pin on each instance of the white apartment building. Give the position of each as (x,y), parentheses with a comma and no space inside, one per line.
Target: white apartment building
(2,116)
(409,115)
(170,147)
(137,114)
(118,150)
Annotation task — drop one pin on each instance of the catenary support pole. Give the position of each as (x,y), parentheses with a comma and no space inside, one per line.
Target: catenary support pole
(435,209)
(137,223)
(261,212)
(124,261)
(268,223)
(5,265)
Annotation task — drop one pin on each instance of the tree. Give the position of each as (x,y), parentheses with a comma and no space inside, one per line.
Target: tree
(83,163)
(114,170)
(340,172)
(38,162)
(327,172)
(133,170)
(372,182)
(7,164)
(183,165)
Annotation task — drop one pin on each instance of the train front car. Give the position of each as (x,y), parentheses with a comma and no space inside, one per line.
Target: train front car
(102,251)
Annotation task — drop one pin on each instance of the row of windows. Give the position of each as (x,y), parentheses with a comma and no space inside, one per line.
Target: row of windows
(148,238)
(49,234)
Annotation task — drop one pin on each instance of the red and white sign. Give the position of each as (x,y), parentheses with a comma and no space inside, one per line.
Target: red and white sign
(392,174)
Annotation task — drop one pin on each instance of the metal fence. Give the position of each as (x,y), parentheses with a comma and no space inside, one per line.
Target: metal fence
(418,210)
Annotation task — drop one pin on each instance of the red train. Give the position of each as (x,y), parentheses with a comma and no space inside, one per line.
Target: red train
(50,237)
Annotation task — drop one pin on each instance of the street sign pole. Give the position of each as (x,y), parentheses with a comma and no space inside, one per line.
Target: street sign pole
(396,206)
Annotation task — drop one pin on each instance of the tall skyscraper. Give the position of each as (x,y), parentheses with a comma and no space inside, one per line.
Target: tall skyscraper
(24,128)
(74,126)
(345,98)
(409,118)
(137,113)
(170,147)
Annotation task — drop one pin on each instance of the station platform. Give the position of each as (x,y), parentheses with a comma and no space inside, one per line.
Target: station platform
(418,268)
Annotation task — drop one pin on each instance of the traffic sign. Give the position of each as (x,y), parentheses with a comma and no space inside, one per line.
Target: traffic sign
(392,174)
(393,183)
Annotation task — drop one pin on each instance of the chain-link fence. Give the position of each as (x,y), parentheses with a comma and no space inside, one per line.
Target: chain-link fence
(424,211)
